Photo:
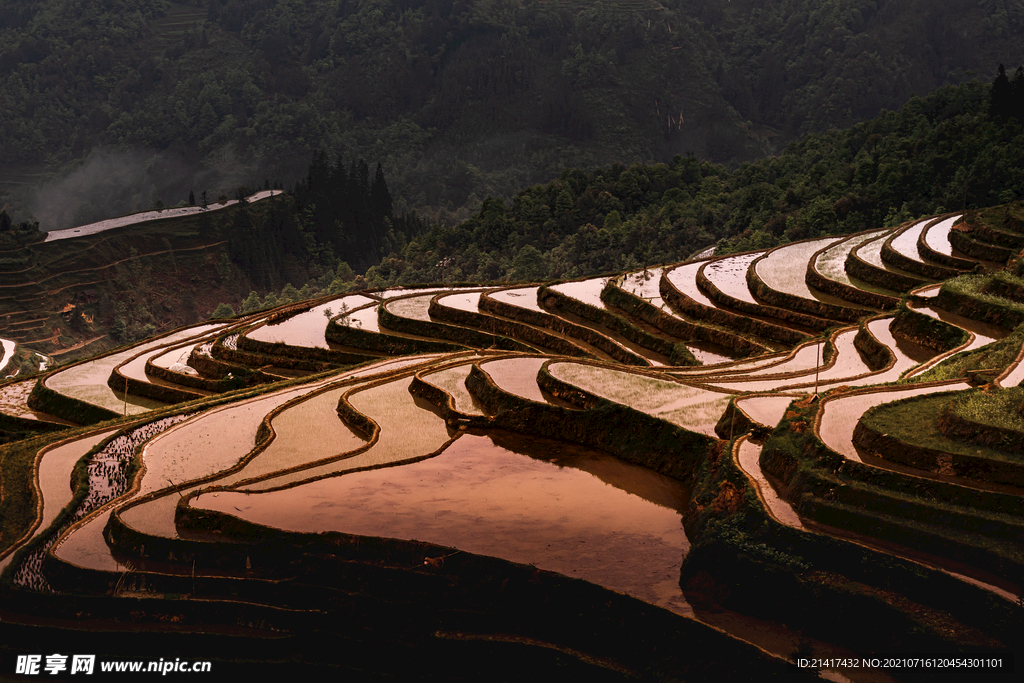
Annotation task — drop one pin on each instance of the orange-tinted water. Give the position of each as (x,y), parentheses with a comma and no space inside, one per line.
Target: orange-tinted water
(558,506)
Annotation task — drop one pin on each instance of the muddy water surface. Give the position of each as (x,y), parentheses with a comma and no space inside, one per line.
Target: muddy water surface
(684,278)
(464,302)
(906,242)
(413,307)
(524,297)
(748,456)
(307,329)
(222,437)
(848,364)
(832,262)
(54,474)
(785,270)
(730,275)
(587,291)
(557,506)
(88,381)
(517,376)
(937,236)
(453,382)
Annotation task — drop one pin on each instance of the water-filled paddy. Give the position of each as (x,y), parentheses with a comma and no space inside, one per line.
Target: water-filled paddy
(684,278)
(692,408)
(14,401)
(414,307)
(307,328)
(464,302)
(832,262)
(937,236)
(517,376)
(729,275)
(765,410)
(557,506)
(840,415)
(587,291)
(231,435)
(524,297)
(848,363)
(54,474)
(781,270)
(409,428)
(453,381)
(906,242)
(362,319)
(748,456)
(88,381)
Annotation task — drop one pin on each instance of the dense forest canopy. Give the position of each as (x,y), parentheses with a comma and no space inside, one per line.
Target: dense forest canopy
(457,99)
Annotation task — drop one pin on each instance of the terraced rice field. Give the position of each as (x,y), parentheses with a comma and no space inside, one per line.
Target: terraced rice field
(413,307)
(587,291)
(776,270)
(684,278)
(832,262)
(464,302)
(524,297)
(848,367)
(747,456)
(306,496)
(937,236)
(689,407)
(906,242)
(307,329)
(453,382)
(729,275)
(840,415)
(88,381)
(517,376)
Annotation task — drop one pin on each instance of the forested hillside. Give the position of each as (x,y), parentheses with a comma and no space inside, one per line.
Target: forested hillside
(956,148)
(458,99)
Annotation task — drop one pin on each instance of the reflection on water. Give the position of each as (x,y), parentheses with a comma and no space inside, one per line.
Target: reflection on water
(558,506)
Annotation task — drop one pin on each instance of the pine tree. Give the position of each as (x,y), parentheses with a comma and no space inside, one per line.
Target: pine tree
(1002,96)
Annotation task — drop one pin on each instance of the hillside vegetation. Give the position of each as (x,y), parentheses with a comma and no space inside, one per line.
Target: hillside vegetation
(458,99)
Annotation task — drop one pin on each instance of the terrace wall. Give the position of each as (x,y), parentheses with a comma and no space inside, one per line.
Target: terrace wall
(931,271)
(607,426)
(956,426)
(46,400)
(676,352)
(722,299)
(897,282)
(718,316)
(962,303)
(384,343)
(636,307)
(818,309)
(962,242)
(464,336)
(927,331)
(509,328)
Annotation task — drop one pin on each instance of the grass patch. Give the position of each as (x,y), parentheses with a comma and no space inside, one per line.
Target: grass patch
(974,286)
(915,421)
(1000,408)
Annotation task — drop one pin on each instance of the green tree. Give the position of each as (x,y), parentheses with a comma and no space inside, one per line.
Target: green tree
(528,264)
(223,311)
